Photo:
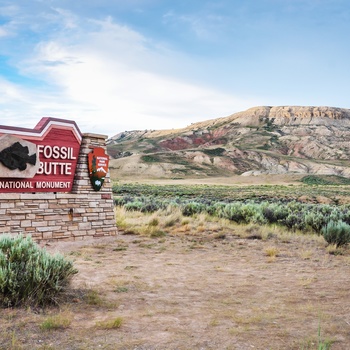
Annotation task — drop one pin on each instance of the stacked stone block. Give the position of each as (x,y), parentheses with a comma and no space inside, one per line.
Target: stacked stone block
(77,215)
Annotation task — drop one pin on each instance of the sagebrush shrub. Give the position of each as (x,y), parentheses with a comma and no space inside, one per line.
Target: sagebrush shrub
(294,221)
(315,221)
(274,212)
(233,212)
(134,206)
(335,215)
(250,212)
(345,214)
(29,274)
(336,232)
(192,208)
(190,201)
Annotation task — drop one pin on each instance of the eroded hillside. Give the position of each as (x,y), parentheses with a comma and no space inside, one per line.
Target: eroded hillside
(261,140)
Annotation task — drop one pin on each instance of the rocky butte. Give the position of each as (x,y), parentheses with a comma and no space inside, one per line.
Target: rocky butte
(260,140)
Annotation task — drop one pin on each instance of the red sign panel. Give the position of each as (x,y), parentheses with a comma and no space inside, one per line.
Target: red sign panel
(98,167)
(42,159)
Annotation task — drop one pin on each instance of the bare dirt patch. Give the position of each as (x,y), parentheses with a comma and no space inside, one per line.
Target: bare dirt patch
(194,292)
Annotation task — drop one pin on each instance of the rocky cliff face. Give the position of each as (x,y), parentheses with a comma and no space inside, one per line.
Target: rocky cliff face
(261,140)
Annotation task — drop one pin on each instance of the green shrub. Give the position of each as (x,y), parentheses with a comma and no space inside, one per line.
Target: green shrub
(274,212)
(325,180)
(294,221)
(143,204)
(262,204)
(336,232)
(315,221)
(150,159)
(133,206)
(315,180)
(28,274)
(345,214)
(233,212)
(335,215)
(243,213)
(259,218)
(192,208)
(252,213)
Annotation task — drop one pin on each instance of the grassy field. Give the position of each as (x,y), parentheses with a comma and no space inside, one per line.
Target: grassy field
(308,193)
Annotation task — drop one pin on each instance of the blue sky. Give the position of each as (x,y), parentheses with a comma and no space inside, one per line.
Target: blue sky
(115,65)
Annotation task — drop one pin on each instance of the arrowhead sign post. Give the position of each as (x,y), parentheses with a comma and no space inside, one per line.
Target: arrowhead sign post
(98,162)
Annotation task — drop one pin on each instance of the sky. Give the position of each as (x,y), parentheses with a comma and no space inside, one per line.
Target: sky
(116,65)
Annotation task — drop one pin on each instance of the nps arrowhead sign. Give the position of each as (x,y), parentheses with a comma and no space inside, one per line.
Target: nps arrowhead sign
(42,159)
(98,167)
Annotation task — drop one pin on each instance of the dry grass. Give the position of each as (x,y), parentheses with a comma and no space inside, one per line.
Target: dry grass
(272,251)
(110,324)
(62,320)
(280,179)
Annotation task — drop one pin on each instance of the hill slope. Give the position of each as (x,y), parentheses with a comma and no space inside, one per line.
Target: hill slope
(261,140)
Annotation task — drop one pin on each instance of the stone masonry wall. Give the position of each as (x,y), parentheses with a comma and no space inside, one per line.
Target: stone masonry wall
(77,215)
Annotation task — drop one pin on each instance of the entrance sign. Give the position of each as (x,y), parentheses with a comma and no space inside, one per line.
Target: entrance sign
(98,162)
(42,159)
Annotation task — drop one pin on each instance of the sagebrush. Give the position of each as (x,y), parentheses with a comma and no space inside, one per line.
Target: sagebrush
(336,232)
(29,274)
(254,205)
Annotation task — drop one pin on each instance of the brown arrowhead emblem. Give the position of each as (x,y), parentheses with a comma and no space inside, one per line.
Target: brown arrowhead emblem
(98,162)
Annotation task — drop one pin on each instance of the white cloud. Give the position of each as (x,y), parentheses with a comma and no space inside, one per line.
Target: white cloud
(109,82)
(3,32)
(10,92)
(8,30)
(9,10)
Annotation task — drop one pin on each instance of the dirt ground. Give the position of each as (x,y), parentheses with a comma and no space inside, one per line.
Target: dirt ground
(194,292)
